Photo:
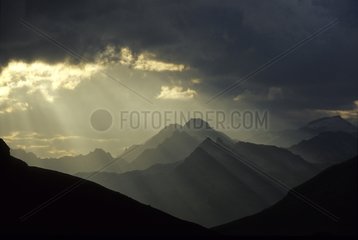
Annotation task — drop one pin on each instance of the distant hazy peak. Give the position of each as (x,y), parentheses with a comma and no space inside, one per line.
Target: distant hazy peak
(197,123)
(100,152)
(335,123)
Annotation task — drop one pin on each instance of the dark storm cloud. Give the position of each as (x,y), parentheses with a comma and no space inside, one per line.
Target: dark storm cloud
(224,40)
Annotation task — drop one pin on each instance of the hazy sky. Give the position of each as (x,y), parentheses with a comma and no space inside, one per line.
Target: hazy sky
(167,55)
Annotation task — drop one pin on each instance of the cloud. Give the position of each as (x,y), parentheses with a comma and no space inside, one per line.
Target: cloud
(12,105)
(348,114)
(56,145)
(110,55)
(176,93)
(127,57)
(47,78)
(248,96)
(40,77)
(220,41)
(274,93)
(145,61)
(195,81)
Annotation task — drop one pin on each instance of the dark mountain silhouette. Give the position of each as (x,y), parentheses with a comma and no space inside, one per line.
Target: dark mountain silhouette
(73,206)
(334,190)
(212,185)
(90,162)
(327,148)
(289,137)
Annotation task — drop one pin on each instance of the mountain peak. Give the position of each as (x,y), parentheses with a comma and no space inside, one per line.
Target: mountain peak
(4,149)
(197,123)
(335,123)
(100,152)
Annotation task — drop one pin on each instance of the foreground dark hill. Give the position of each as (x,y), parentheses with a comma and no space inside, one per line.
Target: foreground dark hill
(213,185)
(334,190)
(39,201)
(328,148)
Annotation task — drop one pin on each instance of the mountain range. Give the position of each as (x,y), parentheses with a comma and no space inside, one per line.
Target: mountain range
(192,172)
(206,186)
(175,142)
(171,144)
(199,174)
(90,162)
(216,183)
(289,137)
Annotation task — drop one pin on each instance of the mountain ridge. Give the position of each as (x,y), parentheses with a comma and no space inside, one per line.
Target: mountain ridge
(334,123)
(205,187)
(287,138)
(92,161)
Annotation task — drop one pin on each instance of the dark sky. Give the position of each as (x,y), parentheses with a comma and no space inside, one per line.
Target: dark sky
(220,41)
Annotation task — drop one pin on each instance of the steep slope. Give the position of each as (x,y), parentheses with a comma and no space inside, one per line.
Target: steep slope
(176,147)
(212,185)
(334,190)
(134,151)
(39,201)
(73,164)
(327,148)
(278,162)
